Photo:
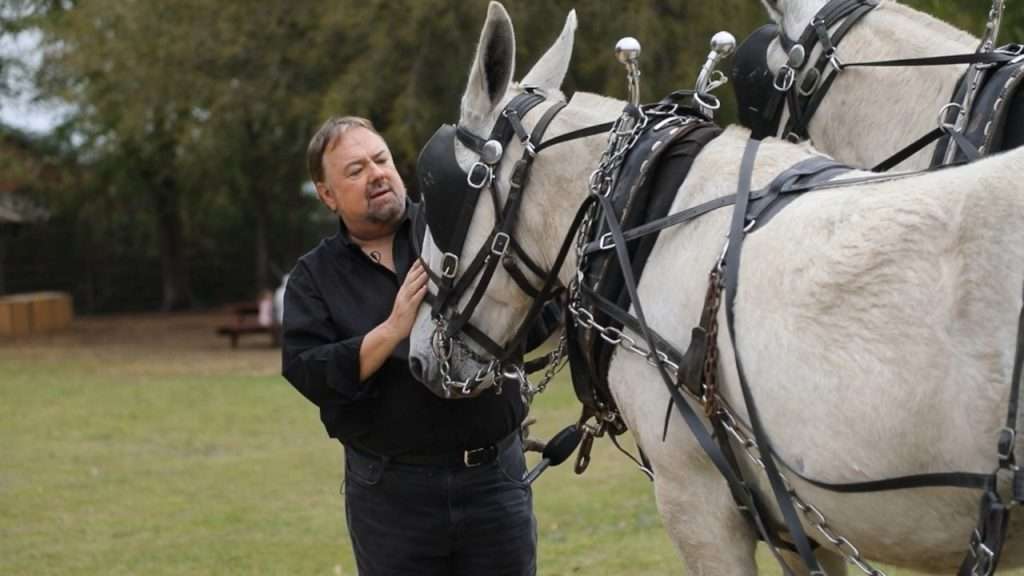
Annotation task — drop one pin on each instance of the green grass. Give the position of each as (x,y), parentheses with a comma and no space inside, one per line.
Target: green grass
(178,456)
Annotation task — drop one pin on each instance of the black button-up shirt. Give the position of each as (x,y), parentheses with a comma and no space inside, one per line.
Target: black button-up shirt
(334,297)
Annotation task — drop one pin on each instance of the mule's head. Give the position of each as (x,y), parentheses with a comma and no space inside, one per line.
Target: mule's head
(793,15)
(462,217)
(760,60)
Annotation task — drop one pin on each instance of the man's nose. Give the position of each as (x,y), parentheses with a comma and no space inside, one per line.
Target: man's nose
(376,171)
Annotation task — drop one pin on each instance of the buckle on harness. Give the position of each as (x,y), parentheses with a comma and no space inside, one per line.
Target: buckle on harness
(835,62)
(1011,49)
(784,79)
(484,177)
(786,75)
(944,124)
(449,265)
(606,242)
(1007,442)
(500,244)
(984,557)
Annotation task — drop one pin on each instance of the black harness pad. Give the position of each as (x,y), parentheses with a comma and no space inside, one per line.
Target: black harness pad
(996,120)
(753,84)
(644,191)
(999,109)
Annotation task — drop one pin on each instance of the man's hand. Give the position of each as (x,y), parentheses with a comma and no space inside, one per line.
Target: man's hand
(407,302)
(381,341)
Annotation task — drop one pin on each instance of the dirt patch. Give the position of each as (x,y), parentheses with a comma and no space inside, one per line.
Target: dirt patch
(185,343)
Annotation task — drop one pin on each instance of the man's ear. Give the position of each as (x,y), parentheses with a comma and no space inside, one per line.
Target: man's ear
(324,193)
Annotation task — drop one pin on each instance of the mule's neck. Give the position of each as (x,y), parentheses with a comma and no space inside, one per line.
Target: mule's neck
(560,178)
(855,120)
(798,14)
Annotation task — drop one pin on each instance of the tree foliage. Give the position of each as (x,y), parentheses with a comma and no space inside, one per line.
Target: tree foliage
(190,118)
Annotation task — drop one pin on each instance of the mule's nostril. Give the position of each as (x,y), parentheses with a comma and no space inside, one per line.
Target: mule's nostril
(417,369)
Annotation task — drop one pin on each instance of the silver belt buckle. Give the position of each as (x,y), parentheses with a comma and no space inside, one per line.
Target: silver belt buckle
(466,455)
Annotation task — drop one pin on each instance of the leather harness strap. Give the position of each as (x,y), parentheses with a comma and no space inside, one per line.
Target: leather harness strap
(988,537)
(752,210)
(802,95)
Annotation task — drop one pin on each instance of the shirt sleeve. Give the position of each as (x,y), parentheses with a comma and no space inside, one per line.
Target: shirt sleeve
(318,361)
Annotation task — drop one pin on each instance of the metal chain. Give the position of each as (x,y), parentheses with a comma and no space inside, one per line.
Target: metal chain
(813,515)
(710,368)
(714,401)
(621,139)
(555,362)
(617,337)
(444,348)
(601,182)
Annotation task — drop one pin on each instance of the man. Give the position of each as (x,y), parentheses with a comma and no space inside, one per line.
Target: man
(431,486)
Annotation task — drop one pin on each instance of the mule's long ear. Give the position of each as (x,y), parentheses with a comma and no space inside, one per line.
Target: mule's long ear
(774,10)
(550,70)
(493,66)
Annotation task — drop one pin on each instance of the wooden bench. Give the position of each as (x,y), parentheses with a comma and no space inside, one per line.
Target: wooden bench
(245,323)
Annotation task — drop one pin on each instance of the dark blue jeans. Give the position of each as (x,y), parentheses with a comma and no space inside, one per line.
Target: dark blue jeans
(435,520)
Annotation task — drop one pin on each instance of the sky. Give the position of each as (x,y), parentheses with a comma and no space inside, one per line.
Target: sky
(21,112)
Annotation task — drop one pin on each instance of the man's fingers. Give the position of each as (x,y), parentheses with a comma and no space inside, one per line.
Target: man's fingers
(416,297)
(419,273)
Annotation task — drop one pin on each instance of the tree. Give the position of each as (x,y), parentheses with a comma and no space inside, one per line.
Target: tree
(265,89)
(190,118)
(176,90)
(115,62)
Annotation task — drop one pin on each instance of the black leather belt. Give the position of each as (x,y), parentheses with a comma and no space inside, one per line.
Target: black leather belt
(457,459)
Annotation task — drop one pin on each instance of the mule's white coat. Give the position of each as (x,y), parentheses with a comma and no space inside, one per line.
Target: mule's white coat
(871,113)
(877,325)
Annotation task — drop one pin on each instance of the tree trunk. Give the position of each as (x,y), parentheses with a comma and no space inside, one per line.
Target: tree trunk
(262,231)
(177,292)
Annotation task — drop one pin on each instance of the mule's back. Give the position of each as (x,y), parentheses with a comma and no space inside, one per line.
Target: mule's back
(877,327)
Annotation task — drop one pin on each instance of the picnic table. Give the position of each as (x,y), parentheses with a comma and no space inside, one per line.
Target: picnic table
(246,320)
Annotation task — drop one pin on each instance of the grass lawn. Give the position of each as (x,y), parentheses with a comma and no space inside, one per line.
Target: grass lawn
(144,445)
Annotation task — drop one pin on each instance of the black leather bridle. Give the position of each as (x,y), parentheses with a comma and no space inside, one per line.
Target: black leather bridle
(450,195)
(801,84)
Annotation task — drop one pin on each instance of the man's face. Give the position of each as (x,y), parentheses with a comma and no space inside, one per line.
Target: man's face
(361,182)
